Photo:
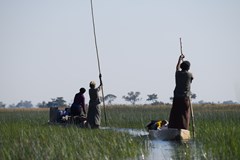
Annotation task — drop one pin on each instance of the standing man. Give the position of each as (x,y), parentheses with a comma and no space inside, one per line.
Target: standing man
(180,112)
(94,112)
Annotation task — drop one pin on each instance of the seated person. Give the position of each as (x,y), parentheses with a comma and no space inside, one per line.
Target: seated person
(78,106)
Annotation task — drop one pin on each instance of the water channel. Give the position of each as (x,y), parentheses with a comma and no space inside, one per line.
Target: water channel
(165,150)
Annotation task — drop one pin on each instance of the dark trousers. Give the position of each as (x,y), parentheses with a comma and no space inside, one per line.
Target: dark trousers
(75,110)
(180,113)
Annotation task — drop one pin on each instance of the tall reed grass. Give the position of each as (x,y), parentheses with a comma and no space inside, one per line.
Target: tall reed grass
(218,131)
(25,134)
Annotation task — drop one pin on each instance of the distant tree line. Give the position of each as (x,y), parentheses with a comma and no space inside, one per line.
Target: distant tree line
(131,97)
(55,102)
(21,104)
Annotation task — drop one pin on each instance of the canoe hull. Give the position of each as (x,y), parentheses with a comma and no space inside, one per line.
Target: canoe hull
(170,134)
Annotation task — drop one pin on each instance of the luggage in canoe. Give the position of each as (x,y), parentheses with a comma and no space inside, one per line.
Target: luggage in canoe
(158,129)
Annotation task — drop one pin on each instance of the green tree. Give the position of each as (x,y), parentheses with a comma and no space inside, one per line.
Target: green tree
(43,104)
(2,105)
(110,98)
(153,98)
(132,97)
(12,106)
(193,96)
(58,102)
(24,104)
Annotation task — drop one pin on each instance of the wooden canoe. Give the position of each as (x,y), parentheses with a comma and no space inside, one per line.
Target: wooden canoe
(170,134)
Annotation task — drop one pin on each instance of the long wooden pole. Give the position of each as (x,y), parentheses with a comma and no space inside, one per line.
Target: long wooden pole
(192,115)
(99,68)
(181,46)
(190,103)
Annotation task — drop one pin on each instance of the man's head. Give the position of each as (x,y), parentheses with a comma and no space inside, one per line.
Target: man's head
(92,84)
(185,65)
(82,90)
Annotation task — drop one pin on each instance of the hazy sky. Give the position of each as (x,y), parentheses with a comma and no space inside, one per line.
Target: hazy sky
(47,48)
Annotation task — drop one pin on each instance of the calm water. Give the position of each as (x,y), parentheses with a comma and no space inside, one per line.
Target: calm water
(164,150)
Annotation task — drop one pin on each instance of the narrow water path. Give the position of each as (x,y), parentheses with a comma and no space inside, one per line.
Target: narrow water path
(163,150)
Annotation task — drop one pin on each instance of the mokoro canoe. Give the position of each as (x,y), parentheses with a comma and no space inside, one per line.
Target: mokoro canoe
(170,134)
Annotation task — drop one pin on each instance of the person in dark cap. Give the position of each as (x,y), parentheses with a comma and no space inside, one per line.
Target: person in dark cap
(180,112)
(78,106)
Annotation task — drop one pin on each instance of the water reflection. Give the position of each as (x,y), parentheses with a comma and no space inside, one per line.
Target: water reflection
(163,150)
(134,132)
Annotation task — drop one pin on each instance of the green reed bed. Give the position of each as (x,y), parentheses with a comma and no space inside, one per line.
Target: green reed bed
(26,135)
(216,126)
(218,131)
(135,116)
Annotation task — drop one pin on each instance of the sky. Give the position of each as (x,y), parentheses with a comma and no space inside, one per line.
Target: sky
(47,48)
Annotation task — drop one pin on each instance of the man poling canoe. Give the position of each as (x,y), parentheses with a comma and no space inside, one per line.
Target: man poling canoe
(181,107)
(99,68)
(94,111)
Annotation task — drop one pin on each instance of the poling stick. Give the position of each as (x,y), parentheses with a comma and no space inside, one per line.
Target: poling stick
(99,68)
(181,46)
(192,117)
(191,108)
